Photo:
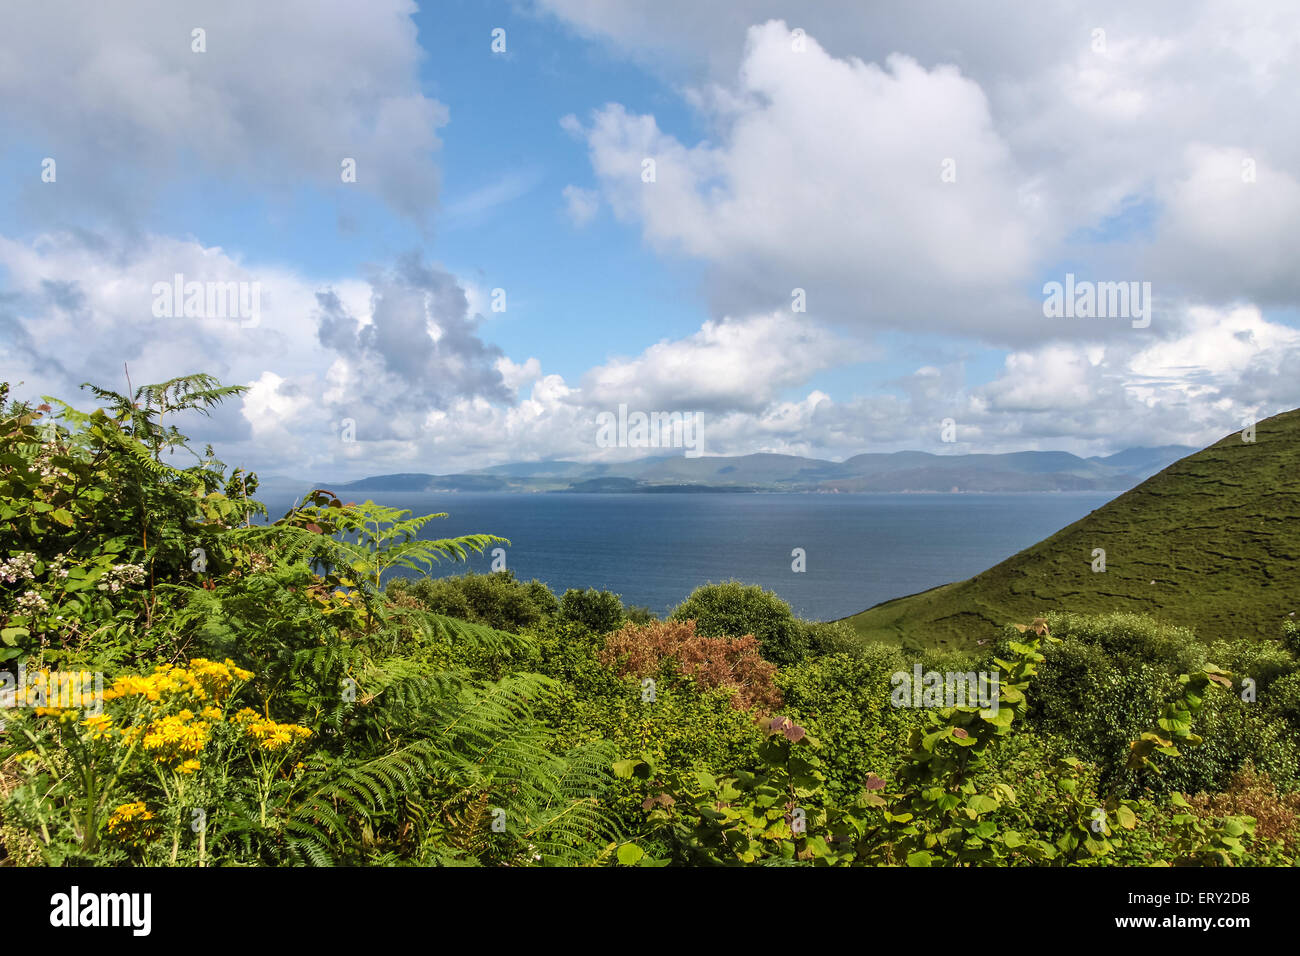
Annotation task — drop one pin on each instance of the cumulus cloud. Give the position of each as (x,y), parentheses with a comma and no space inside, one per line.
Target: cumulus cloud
(351,377)
(884,192)
(85,302)
(1101,133)
(386,352)
(1162,150)
(1228,227)
(282,94)
(415,349)
(739,364)
(1221,367)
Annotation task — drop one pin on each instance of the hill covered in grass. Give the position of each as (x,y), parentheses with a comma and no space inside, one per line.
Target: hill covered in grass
(1212,543)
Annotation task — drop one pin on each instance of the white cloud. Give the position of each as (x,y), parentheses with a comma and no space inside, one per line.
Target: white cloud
(581,204)
(1120,151)
(1221,348)
(819,170)
(1229,227)
(829,177)
(475,206)
(1213,369)
(383,352)
(517,375)
(283,94)
(399,356)
(727,365)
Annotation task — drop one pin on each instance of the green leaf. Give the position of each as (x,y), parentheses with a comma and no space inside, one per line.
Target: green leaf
(624,769)
(629,854)
(1002,717)
(982,804)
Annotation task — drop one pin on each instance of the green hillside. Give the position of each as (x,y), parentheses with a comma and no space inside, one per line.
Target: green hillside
(1212,542)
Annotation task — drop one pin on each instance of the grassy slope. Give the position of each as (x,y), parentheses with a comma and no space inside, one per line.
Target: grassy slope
(1217,532)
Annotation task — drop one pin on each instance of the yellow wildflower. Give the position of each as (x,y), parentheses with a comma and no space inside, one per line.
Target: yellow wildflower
(99,726)
(131,823)
(269,734)
(176,737)
(215,679)
(128,812)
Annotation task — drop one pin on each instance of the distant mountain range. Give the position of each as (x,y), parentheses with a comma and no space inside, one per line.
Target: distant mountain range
(898,472)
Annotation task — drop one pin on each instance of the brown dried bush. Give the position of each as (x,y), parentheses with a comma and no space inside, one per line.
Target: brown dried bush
(1252,793)
(730,663)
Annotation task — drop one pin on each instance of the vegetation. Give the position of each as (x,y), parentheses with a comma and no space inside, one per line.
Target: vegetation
(1210,543)
(191,681)
(733,608)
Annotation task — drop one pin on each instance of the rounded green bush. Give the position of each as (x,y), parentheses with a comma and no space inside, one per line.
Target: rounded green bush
(732,609)
(498,599)
(601,611)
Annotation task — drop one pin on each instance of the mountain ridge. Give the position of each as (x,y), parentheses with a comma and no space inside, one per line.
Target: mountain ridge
(881,472)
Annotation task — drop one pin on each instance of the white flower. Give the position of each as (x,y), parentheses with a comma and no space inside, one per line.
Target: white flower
(18,568)
(32,603)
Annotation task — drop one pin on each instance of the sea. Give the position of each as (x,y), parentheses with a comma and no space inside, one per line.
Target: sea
(828,555)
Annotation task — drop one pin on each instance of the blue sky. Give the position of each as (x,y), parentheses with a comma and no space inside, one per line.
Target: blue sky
(790,155)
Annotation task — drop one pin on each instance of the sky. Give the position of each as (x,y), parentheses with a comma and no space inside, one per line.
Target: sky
(461,232)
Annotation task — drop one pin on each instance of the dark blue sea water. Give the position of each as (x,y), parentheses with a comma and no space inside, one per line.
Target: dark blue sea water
(653,549)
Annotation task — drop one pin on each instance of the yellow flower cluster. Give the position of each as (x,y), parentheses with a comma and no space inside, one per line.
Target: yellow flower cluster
(203,680)
(131,823)
(128,812)
(216,679)
(177,737)
(177,740)
(65,716)
(99,726)
(268,734)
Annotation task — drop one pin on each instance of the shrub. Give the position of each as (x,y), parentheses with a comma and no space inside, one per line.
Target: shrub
(1235,733)
(566,651)
(732,609)
(639,614)
(601,611)
(1132,638)
(1251,793)
(715,662)
(830,637)
(498,600)
(1283,699)
(845,702)
(1100,685)
(1261,661)
(1291,638)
